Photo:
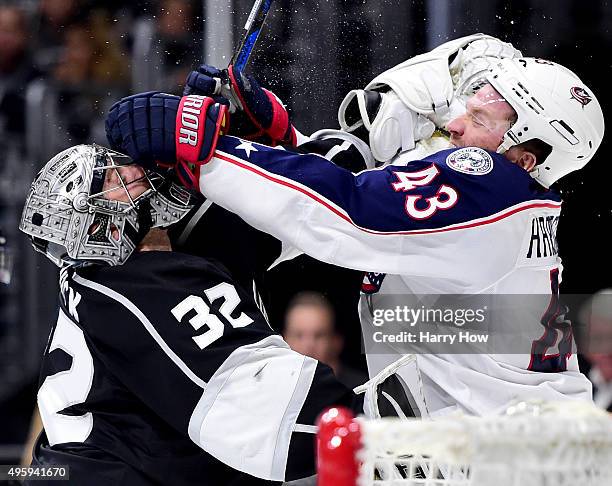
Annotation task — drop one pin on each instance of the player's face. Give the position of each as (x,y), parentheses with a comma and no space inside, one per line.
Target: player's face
(308,330)
(116,181)
(132,176)
(487,118)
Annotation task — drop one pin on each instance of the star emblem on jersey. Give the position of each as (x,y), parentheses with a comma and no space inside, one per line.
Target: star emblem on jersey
(470,160)
(247,147)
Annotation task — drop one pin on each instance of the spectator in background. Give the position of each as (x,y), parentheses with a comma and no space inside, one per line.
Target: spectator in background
(5,261)
(179,38)
(89,54)
(15,69)
(310,329)
(76,58)
(90,65)
(54,16)
(597,315)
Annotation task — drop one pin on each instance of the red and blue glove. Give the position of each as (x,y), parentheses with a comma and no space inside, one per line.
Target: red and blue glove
(155,128)
(260,116)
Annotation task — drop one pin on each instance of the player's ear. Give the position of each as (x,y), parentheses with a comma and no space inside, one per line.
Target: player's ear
(527,161)
(523,158)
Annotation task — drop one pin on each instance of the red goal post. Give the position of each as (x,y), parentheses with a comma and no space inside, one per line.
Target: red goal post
(338,442)
(529,444)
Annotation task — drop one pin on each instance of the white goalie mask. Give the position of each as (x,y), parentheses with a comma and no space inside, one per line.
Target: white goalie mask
(552,105)
(71,219)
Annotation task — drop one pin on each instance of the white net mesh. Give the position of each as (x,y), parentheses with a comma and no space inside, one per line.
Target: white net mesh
(530,444)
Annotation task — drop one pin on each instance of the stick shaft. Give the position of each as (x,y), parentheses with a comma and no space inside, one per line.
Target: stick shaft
(252,29)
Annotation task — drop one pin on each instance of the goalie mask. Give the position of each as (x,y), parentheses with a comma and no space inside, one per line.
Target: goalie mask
(78,210)
(552,105)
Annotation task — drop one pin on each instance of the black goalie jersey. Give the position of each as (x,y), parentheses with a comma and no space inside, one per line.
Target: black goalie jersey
(163,371)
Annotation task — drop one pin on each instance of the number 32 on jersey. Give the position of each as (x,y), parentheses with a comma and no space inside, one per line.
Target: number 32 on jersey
(445,198)
(204,317)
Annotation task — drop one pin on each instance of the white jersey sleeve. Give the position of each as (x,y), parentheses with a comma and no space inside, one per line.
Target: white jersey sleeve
(459,211)
(460,221)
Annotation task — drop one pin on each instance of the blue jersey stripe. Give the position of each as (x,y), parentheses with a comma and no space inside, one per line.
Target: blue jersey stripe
(368,200)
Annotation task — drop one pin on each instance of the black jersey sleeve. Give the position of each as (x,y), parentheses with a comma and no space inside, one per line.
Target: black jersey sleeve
(344,149)
(212,232)
(194,347)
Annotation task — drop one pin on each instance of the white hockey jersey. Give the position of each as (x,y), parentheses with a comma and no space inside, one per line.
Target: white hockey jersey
(461,221)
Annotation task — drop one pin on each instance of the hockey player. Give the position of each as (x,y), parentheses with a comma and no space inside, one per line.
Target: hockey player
(160,370)
(369,131)
(460,221)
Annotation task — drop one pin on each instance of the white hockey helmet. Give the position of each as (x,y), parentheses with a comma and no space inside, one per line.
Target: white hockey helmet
(69,220)
(552,105)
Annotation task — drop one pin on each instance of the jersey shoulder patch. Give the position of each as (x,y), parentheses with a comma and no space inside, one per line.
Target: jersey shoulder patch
(470,160)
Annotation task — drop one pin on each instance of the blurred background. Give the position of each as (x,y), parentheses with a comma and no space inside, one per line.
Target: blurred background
(64,62)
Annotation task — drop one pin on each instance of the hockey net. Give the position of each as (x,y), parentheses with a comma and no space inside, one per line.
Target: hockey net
(542,444)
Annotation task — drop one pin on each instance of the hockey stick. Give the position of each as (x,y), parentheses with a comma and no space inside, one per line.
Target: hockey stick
(240,58)
(252,29)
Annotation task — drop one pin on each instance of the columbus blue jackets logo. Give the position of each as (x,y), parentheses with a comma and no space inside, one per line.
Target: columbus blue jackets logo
(470,160)
(372,282)
(581,95)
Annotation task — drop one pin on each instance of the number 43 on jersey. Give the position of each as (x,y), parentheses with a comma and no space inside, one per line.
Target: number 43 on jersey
(445,198)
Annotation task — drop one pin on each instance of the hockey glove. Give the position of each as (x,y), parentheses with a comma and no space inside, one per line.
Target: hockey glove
(383,121)
(156,128)
(257,113)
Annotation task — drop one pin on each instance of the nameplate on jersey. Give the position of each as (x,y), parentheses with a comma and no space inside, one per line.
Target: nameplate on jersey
(470,160)
(540,241)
